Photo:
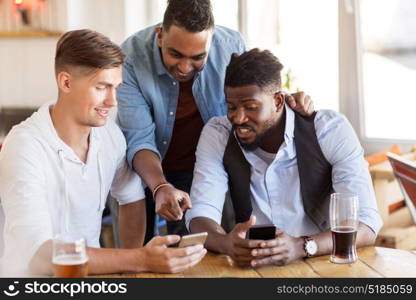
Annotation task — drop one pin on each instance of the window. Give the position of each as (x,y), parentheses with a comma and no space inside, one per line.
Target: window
(303,34)
(388,39)
(225,13)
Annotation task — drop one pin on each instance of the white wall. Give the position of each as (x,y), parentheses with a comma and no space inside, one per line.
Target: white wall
(139,14)
(26,72)
(26,64)
(105,16)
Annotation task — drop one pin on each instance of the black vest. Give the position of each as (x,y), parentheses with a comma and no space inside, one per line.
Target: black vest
(315,174)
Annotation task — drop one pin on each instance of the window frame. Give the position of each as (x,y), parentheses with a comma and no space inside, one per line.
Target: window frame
(351,96)
(351,86)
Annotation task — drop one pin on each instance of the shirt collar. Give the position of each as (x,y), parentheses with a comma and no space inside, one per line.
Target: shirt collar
(157,57)
(289,125)
(58,144)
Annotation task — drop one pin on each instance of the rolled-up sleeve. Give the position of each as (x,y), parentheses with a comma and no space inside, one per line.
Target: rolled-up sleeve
(350,173)
(134,115)
(210,182)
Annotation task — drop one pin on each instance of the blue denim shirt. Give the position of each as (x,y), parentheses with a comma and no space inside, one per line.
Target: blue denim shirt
(148,97)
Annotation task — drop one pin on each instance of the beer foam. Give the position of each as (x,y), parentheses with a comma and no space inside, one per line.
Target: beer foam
(69,260)
(344,229)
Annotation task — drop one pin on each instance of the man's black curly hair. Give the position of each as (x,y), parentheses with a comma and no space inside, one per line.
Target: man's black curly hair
(254,67)
(192,15)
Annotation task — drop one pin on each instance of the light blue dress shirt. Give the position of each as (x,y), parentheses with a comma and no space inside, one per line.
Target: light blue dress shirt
(148,97)
(275,187)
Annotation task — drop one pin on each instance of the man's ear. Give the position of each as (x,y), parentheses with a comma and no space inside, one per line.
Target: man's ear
(159,34)
(279,100)
(64,80)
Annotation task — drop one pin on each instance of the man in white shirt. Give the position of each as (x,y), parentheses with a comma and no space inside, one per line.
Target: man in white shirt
(57,167)
(281,170)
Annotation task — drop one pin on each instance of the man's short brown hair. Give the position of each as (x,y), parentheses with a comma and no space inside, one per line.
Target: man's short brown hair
(88,49)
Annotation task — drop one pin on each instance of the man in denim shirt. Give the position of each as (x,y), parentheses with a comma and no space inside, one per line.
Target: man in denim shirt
(171,88)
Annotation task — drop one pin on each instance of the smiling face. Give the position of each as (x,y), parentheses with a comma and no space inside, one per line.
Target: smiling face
(184,53)
(90,97)
(254,113)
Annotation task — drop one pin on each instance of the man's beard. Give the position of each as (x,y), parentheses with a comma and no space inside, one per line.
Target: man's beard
(259,139)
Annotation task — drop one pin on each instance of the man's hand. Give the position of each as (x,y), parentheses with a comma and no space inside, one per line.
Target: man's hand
(300,103)
(240,248)
(161,259)
(171,203)
(280,251)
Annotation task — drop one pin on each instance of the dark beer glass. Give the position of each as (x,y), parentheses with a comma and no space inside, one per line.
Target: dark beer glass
(343,212)
(69,258)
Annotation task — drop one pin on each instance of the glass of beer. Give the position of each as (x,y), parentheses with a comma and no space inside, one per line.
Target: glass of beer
(69,256)
(343,212)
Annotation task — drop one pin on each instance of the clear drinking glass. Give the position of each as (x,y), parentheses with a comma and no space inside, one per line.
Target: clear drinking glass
(69,256)
(343,212)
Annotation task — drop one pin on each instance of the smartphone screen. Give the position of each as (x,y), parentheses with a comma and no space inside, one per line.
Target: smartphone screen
(262,232)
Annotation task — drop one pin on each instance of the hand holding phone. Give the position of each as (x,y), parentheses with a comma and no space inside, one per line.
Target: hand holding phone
(193,239)
(262,232)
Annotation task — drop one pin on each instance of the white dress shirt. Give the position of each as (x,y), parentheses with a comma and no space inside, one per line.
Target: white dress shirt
(275,186)
(45,189)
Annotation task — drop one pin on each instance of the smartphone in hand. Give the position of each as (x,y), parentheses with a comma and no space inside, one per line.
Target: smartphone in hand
(262,232)
(193,239)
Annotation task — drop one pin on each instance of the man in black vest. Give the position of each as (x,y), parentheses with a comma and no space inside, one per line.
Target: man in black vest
(172,85)
(279,167)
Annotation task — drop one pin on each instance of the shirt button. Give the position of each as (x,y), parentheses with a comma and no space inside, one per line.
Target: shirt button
(164,142)
(174,82)
(171,113)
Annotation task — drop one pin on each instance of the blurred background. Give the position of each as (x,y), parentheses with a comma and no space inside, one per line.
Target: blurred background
(354,56)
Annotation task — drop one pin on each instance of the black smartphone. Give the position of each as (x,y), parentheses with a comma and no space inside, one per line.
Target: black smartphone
(262,232)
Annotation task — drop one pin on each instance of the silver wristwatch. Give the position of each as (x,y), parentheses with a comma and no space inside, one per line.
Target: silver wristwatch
(310,246)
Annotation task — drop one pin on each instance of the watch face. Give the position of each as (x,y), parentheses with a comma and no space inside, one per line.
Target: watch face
(311,247)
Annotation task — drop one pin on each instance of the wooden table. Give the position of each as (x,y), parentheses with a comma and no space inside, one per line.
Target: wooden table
(373,262)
